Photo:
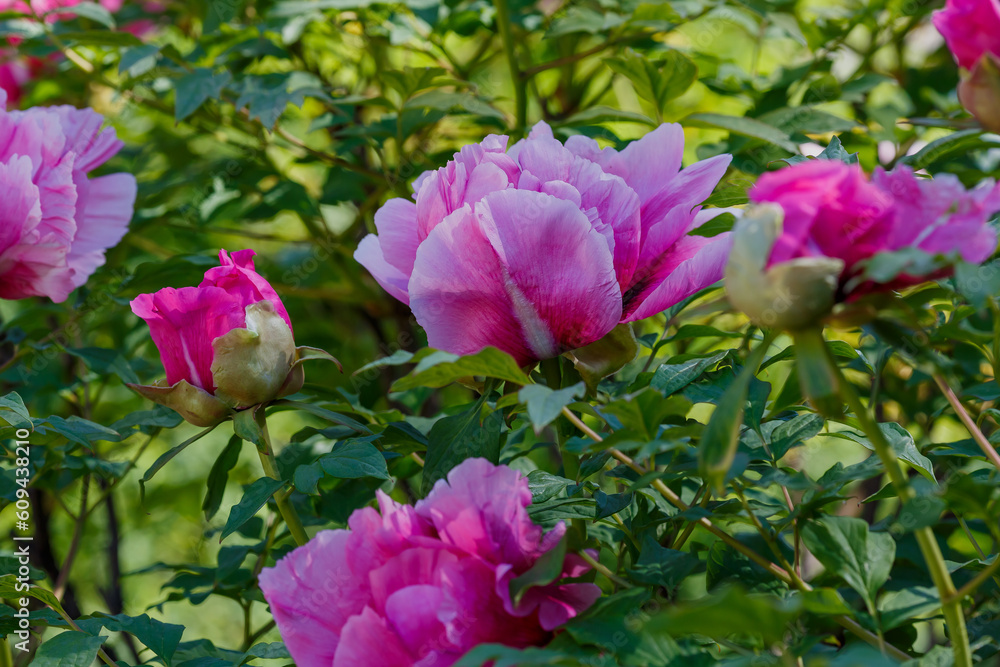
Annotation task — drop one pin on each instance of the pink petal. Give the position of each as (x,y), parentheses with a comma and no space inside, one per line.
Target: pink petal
(366,640)
(557,171)
(313,595)
(694,263)
(369,255)
(183,323)
(525,272)
(480,509)
(646,164)
(689,188)
(396,222)
(412,612)
(104,210)
(237,276)
(970,27)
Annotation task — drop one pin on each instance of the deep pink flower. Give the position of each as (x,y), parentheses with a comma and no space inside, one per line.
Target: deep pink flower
(546,247)
(226,343)
(971,29)
(831,209)
(420,586)
(57,222)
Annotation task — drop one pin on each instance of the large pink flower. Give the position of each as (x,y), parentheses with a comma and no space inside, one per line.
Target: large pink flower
(57,222)
(420,586)
(831,209)
(224,344)
(546,247)
(971,28)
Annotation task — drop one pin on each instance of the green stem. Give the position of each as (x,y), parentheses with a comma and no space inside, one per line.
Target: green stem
(519,81)
(951,606)
(288,512)
(6,658)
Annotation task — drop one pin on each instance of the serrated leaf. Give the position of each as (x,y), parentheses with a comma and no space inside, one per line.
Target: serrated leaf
(848,550)
(195,88)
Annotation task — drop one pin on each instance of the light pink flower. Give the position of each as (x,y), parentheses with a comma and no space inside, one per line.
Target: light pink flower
(971,29)
(57,222)
(832,209)
(546,247)
(419,586)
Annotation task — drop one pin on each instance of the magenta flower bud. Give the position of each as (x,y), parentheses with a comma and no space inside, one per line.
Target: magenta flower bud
(979,92)
(55,222)
(225,344)
(824,221)
(971,28)
(544,248)
(421,585)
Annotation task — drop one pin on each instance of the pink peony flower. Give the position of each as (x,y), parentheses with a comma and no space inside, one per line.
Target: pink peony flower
(420,586)
(57,221)
(546,247)
(971,29)
(227,343)
(832,210)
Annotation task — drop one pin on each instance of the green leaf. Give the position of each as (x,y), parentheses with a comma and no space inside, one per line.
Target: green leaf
(453,439)
(9,591)
(902,443)
(834,151)
(247,425)
(546,569)
(195,87)
(159,637)
(748,127)
(442,368)
(323,413)
(659,81)
(101,38)
(166,457)
(608,504)
(265,96)
(266,651)
(218,476)
(139,59)
(721,437)
(87,10)
(670,378)
(956,142)
(78,430)
(254,498)
(68,649)
(13,410)
(659,566)
(846,549)
(824,601)
(352,460)
(545,405)
(731,612)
